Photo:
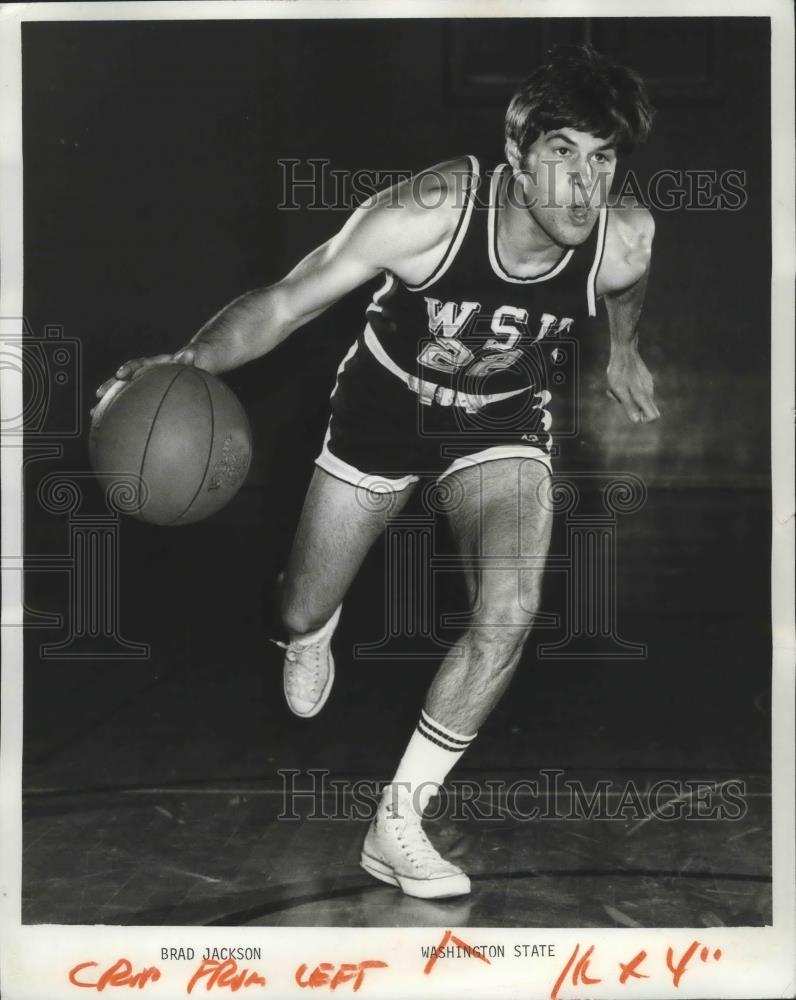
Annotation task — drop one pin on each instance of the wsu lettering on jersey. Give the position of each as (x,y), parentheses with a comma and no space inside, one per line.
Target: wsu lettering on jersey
(474,326)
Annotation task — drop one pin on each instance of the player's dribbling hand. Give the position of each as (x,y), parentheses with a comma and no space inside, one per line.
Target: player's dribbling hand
(131,369)
(630,383)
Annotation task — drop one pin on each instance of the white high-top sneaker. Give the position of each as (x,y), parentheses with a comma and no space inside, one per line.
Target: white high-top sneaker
(397,851)
(308,671)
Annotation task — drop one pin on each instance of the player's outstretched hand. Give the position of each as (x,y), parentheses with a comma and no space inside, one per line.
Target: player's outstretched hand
(131,369)
(630,383)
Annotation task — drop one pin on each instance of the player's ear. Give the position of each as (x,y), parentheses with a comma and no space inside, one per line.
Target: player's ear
(513,155)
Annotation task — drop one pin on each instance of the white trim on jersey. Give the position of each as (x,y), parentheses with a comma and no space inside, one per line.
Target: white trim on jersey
(499,451)
(494,259)
(389,283)
(458,237)
(598,256)
(352,350)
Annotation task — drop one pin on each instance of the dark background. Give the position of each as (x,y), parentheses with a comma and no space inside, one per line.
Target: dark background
(152,182)
(151,190)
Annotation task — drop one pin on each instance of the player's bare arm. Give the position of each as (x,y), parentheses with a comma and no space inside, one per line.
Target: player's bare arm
(622,281)
(403,229)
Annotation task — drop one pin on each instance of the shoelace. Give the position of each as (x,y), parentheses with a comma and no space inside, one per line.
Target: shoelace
(414,843)
(302,679)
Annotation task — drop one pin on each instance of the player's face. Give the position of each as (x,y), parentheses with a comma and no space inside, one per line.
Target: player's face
(564,179)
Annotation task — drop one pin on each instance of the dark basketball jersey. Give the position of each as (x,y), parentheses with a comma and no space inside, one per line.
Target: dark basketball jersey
(474,328)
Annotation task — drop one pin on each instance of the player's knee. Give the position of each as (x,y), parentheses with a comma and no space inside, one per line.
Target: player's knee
(505,613)
(502,640)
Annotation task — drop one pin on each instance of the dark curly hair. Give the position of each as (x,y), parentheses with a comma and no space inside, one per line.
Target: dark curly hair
(578,88)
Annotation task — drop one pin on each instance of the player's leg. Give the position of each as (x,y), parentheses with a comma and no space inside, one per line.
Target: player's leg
(338,525)
(501,521)
(503,518)
(360,480)
(502,525)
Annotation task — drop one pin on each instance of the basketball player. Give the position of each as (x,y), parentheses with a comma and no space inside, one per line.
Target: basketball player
(483,269)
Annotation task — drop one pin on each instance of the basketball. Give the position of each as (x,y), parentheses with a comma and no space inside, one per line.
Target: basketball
(178,436)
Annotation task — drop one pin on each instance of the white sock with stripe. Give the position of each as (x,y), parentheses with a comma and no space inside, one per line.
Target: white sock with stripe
(428,759)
